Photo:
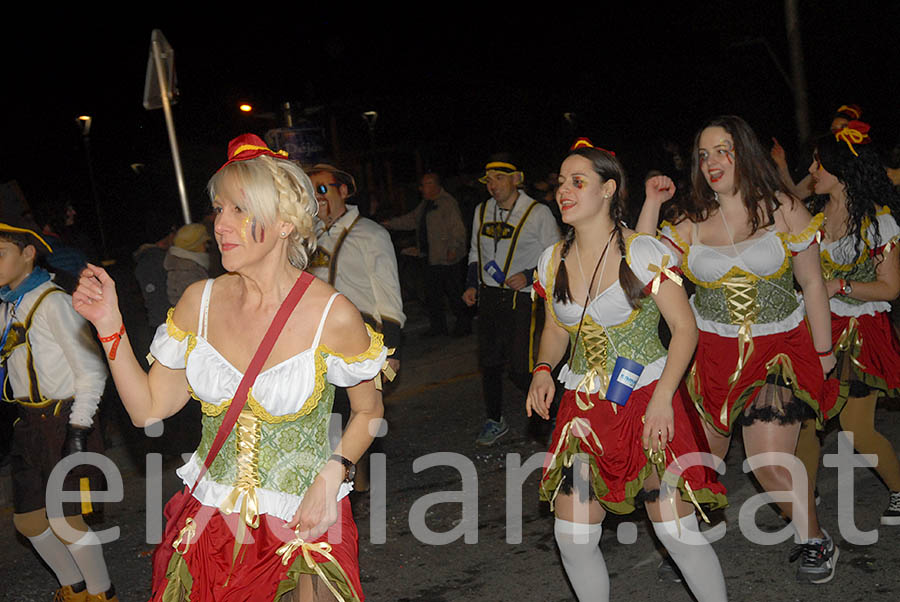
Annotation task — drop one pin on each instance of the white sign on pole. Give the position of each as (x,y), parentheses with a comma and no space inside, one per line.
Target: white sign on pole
(159,92)
(152,95)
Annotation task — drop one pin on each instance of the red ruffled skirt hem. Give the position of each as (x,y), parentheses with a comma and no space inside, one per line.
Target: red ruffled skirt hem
(879,350)
(203,563)
(789,356)
(610,435)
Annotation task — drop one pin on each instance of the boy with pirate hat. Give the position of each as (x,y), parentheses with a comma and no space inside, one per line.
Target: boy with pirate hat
(54,374)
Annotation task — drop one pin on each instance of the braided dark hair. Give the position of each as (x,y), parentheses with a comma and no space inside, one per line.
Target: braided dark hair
(608,167)
(865,182)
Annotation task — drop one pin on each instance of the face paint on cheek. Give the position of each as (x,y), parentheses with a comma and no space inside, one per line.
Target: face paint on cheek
(262,231)
(244,228)
(729,150)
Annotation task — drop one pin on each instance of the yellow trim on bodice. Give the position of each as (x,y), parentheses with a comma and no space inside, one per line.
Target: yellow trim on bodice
(321,369)
(179,335)
(809,231)
(376,343)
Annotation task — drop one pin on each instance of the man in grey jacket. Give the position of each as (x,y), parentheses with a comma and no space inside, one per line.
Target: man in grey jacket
(441,238)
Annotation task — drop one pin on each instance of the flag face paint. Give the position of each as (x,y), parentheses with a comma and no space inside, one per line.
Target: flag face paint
(244,228)
(262,231)
(729,150)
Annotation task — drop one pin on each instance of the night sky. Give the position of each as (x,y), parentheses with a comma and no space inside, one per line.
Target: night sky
(453,86)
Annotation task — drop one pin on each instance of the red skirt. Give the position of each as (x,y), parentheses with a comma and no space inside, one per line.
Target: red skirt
(867,350)
(611,439)
(200,561)
(787,357)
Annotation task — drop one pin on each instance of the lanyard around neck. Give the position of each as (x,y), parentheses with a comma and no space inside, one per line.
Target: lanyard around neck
(498,233)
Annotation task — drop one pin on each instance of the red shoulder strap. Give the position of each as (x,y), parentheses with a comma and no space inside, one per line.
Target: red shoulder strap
(256,364)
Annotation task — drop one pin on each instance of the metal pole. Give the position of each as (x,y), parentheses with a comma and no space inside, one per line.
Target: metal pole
(801,103)
(170,126)
(86,139)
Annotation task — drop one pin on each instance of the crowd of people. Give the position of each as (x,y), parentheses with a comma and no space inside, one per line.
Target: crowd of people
(788,328)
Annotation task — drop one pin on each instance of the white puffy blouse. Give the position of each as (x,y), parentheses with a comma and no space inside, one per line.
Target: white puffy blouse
(287,393)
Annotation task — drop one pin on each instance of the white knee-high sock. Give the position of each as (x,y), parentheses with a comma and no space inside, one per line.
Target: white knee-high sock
(579,547)
(57,556)
(694,556)
(88,554)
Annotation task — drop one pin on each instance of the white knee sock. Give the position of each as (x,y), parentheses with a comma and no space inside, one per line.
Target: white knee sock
(57,557)
(579,547)
(88,554)
(694,556)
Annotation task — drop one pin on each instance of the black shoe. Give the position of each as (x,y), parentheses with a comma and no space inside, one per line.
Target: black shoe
(891,516)
(818,559)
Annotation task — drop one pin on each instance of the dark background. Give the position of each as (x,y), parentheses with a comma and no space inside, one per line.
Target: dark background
(450,83)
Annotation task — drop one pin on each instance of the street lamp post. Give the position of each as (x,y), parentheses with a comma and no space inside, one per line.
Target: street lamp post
(84,125)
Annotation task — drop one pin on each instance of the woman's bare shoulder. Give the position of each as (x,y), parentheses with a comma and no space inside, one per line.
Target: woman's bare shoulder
(187,310)
(345,331)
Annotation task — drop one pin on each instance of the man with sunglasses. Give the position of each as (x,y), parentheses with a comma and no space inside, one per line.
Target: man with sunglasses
(356,256)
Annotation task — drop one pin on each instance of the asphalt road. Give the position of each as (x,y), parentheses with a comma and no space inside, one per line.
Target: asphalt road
(435,408)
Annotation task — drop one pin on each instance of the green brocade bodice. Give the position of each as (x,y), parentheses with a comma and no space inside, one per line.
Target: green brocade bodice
(279,455)
(598,347)
(737,298)
(862,270)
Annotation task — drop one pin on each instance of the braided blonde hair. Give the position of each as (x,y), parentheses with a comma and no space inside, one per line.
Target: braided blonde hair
(274,190)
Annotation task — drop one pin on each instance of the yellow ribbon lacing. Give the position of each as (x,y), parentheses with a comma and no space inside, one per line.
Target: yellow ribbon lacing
(658,459)
(851,341)
(661,269)
(389,373)
(740,296)
(247,436)
(187,533)
(323,548)
(577,427)
(596,353)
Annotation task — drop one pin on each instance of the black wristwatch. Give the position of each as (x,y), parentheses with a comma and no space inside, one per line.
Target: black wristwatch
(349,467)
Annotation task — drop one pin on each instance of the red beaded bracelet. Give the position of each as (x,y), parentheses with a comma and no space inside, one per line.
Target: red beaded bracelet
(543,366)
(116,338)
(823,353)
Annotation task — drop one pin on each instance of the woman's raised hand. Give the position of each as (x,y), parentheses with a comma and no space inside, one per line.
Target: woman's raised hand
(778,154)
(659,189)
(96,300)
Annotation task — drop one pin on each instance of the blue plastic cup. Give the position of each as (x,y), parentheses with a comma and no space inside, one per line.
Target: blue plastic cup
(625,377)
(495,272)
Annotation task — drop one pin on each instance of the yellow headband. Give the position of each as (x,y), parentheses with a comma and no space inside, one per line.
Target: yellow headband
(501,168)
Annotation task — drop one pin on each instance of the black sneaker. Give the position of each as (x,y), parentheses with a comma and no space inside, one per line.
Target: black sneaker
(818,558)
(891,516)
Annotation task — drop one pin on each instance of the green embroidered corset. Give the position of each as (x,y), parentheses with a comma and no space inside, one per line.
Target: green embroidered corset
(863,270)
(286,455)
(637,339)
(738,296)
